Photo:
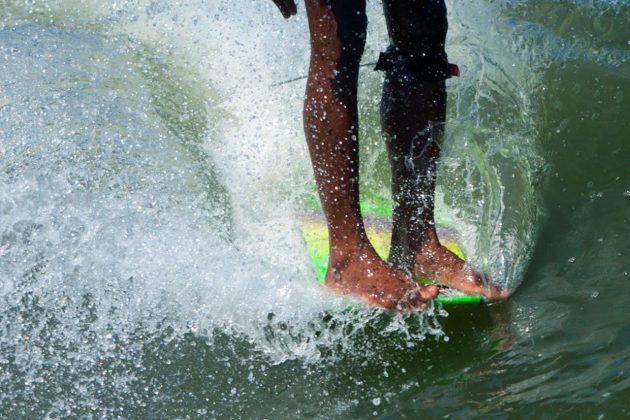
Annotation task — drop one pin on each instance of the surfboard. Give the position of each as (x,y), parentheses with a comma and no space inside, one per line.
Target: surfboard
(316,236)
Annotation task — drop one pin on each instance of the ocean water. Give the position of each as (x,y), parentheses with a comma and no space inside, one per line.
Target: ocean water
(153,174)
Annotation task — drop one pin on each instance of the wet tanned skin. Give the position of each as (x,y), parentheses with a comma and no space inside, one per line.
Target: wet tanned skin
(412,118)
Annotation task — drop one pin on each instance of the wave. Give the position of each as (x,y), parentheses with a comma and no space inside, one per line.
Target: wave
(153,171)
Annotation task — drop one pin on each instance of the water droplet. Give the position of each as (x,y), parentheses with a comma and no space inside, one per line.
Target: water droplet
(376,401)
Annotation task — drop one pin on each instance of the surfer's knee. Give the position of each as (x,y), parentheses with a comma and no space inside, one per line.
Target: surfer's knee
(351,30)
(338,32)
(417,35)
(416,27)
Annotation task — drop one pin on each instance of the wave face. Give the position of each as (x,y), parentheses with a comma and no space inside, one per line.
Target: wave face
(152,175)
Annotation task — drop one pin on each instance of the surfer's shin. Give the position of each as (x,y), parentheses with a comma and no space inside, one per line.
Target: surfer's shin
(331,116)
(412,120)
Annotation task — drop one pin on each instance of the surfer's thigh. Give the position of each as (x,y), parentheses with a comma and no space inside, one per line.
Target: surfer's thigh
(416,26)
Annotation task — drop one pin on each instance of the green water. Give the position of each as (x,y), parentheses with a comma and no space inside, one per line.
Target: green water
(150,260)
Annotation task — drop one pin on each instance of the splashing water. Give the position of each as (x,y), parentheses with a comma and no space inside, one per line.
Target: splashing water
(151,177)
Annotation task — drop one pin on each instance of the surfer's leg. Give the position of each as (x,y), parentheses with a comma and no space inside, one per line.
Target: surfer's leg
(413,111)
(412,116)
(338,30)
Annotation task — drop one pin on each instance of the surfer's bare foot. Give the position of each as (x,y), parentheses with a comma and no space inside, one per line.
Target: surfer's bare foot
(445,268)
(364,275)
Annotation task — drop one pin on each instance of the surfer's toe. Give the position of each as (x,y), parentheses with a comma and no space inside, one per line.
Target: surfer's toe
(493,294)
(429,292)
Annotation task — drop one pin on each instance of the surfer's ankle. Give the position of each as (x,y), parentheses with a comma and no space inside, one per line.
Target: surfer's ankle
(401,258)
(343,255)
(342,251)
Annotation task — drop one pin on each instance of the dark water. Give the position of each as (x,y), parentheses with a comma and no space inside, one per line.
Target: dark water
(151,180)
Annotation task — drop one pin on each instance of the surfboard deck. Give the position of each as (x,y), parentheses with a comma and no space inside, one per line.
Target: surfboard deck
(316,236)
